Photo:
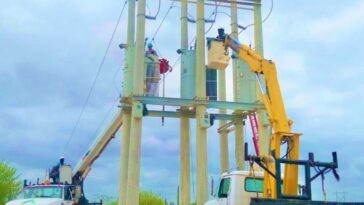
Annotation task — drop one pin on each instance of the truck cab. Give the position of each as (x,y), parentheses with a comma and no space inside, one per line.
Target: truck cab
(53,194)
(238,187)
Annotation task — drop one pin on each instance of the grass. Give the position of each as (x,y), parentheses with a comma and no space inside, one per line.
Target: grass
(145,198)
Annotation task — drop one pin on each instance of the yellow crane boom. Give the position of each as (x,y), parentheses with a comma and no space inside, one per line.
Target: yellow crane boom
(274,105)
(83,167)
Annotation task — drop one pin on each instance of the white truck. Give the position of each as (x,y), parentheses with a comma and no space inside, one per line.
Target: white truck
(42,194)
(67,189)
(238,187)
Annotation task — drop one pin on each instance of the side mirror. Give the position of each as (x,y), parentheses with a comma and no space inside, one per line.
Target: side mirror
(212,186)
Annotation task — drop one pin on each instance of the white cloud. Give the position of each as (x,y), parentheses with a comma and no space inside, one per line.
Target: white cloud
(341,24)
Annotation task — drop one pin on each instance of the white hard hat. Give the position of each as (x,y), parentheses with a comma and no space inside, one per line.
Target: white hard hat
(62,157)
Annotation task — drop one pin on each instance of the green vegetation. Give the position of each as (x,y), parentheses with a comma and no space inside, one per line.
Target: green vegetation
(150,198)
(145,198)
(112,203)
(10,185)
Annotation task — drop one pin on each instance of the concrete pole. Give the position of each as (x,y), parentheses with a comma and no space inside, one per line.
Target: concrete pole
(185,162)
(234,33)
(239,138)
(125,142)
(201,135)
(258,27)
(239,141)
(136,123)
(184,180)
(124,157)
(223,138)
(224,144)
(263,123)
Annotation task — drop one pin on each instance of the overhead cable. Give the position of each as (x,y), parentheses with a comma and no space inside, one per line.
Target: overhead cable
(156,15)
(243,28)
(214,12)
(164,18)
(95,79)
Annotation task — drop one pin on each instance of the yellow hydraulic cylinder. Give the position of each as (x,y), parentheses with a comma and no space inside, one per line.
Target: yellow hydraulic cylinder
(136,121)
(201,135)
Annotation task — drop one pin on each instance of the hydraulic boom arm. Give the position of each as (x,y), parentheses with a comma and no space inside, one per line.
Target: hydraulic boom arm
(84,165)
(273,101)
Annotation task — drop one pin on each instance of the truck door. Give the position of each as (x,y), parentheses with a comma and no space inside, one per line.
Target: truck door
(224,189)
(68,195)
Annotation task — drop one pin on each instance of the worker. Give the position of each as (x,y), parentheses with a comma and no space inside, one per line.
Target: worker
(54,174)
(150,50)
(221,34)
(152,71)
(61,161)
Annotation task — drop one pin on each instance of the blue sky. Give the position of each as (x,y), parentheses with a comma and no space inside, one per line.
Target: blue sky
(51,51)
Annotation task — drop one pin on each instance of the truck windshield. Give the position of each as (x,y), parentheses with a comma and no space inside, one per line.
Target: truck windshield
(224,188)
(254,184)
(41,192)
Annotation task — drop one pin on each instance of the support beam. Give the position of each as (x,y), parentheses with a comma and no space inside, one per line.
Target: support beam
(201,135)
(128,84)
(184,180)
(180,102)
(263,122)
(136,122)
(178,114)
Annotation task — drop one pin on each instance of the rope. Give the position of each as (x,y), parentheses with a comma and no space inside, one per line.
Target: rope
(94,81)
(251,164)
(323,186)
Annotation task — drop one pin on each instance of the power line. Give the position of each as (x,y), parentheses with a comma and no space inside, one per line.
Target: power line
(164,18)
(95,80)
(214,12)
(243,28)
(156,15)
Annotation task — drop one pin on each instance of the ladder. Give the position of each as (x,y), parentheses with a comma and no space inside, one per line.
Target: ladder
(254,125)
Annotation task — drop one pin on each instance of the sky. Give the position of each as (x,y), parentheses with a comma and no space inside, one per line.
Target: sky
(51,50)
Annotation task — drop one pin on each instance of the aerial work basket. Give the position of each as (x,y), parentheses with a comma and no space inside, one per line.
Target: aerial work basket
(218,57)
